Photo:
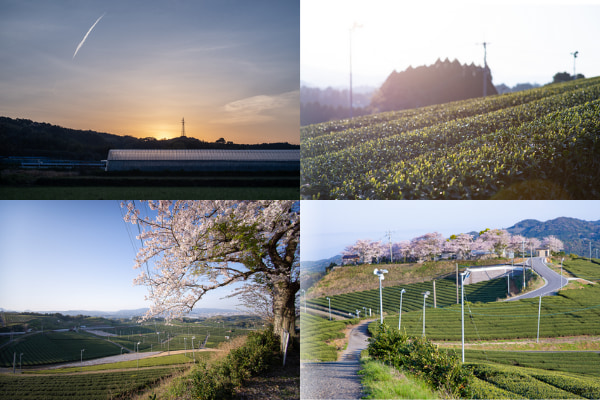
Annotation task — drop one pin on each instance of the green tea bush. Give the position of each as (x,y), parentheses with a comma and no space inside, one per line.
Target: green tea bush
(218,381)
(442,370)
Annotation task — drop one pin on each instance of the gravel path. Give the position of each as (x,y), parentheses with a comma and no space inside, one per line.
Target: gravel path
(336,380)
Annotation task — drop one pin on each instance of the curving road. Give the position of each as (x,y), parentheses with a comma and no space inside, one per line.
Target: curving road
(553,281)
(336,380)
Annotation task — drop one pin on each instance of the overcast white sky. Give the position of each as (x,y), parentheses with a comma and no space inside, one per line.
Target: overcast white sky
(529,41)
(330,225)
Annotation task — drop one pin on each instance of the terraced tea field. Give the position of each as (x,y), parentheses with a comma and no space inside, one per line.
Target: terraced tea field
(540,143)
(56,347)
(571,313)
(104,385)
(343,304)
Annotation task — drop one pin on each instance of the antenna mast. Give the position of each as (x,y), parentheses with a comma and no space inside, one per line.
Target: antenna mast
(485,68)
(182,127)
(574,59)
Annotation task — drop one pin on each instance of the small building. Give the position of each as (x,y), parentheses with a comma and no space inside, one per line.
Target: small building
(203,160)
(542,252)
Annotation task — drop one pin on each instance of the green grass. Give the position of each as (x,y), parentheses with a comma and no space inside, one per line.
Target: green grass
(381,381)
(115,193)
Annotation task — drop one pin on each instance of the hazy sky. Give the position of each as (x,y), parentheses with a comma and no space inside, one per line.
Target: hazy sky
(230,68)
(529,41)
(329,226)
(72,255)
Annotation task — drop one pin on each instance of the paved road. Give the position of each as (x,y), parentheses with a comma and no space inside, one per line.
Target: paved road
(336,380)
(553,281)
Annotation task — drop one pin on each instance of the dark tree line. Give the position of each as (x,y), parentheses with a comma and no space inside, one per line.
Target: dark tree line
(441,82)
(26,138)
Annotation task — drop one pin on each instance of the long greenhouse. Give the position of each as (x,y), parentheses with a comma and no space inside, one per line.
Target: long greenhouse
(203,160)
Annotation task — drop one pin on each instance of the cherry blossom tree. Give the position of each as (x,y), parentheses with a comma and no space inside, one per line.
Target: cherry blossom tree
(516,243)
(366,250)
(498,238)
(461,245)
(532,243)
(553,243)
(192,247)
(401,249)
(427,246)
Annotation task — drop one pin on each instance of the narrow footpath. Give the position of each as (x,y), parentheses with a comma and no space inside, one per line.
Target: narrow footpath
(336,380)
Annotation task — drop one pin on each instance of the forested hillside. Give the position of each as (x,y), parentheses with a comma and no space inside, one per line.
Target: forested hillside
(26,138)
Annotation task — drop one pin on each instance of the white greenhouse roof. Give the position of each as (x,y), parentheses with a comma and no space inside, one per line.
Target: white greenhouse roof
(204,155)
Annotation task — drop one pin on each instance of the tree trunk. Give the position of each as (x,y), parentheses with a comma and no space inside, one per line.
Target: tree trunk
(284,308)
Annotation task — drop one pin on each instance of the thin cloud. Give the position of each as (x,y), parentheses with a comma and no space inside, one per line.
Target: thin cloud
(86,35)
(258,109)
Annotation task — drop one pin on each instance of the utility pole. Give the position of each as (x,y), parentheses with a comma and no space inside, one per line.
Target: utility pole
(485,68)
(182,127)
(352,29)
(389,235)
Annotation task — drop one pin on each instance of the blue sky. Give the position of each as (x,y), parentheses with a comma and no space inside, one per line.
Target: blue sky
(66,255)
(529,40)
(329,226)
(229,67)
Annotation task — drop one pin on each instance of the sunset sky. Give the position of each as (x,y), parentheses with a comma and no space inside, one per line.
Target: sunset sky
(230,68)
(529,40)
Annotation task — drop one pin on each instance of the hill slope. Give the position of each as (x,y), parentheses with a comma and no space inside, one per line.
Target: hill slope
(25,138)
(575,233)
(535,144)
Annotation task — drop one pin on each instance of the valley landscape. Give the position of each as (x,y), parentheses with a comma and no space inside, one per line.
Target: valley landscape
(523,338)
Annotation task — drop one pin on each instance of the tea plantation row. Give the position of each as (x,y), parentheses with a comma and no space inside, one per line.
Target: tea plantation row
(82,386)
(547,145)
(572,312)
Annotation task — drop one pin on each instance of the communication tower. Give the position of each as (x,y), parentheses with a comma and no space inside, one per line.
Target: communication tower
(182,127)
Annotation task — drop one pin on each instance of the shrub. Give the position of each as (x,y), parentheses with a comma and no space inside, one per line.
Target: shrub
(219,380)
(442,370)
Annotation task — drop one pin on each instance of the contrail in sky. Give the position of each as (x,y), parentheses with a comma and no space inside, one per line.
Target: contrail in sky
(86,35)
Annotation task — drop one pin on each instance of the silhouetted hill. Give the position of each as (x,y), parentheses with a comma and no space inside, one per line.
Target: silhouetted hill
(26,138)
(574,233)
(439,83)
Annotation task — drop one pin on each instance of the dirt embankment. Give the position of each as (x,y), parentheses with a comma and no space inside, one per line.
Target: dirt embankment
(356,278)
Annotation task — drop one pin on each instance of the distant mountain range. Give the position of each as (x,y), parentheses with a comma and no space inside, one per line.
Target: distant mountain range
(574,233)
(201,312)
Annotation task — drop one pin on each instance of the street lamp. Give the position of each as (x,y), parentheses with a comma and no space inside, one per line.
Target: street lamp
(193,350)
(380,272)
(329,300)
(561,275)
(400,314)
(463,275)
(304,300)
(82,350)
(425,295)
(138,358)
